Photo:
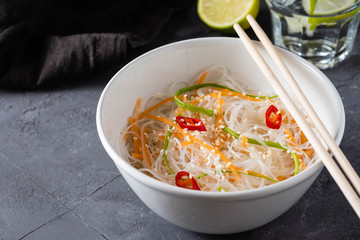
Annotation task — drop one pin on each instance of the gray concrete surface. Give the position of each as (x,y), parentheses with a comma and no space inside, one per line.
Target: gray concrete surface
(57,182)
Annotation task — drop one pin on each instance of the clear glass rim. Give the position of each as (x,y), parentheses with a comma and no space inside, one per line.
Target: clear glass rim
(351,11)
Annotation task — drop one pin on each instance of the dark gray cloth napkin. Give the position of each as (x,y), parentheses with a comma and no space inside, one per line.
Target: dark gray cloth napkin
(45,42)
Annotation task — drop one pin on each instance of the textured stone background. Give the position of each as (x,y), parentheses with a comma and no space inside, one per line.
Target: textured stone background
(57,182)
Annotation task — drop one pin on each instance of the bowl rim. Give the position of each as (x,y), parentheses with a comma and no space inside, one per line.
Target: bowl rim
(215,196)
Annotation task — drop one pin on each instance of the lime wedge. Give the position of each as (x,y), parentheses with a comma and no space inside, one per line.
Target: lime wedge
(222,14)
(326,7)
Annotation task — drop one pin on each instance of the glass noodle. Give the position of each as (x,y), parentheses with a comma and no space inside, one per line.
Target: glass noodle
(238,151)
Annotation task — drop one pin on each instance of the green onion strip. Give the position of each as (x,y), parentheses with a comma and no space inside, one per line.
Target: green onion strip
(206,111)
(165,147)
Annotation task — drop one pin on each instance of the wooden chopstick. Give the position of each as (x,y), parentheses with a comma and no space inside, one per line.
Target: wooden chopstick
(329,163)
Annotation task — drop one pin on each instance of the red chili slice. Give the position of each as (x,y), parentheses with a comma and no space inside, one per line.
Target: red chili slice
(183,180)
(273,117)
(190,123)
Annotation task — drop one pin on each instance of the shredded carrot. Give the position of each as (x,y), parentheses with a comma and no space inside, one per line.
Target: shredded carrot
(137,155)
(149,110)
(183,144)
(232,180)
(292,143)
(281,178)
(286,119)
(179,111)
(215,151)
(309,152)
(202,78)
(137,109)
(290,137)
(201,81)
(135,138)
(304,139)
(146,155)
(178,135)
(244,140)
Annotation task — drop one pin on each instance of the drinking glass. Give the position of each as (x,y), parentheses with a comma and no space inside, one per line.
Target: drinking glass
(321,31)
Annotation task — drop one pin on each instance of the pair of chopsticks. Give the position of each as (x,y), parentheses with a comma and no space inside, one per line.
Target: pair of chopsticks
(330,164)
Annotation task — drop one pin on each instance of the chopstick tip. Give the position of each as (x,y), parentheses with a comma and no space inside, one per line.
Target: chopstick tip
(236,26)
(249,17)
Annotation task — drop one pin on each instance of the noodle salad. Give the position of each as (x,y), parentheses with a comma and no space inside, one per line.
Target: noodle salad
(212,135)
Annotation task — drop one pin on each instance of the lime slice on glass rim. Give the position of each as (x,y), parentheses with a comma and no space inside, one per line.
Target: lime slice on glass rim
(326,7)
(324,11)
(221,15)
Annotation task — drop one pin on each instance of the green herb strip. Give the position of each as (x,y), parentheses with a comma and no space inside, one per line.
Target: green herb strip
(269,144)
(205,111)
(166,144)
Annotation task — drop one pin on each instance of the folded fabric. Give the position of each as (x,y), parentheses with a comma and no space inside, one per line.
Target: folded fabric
(44,42)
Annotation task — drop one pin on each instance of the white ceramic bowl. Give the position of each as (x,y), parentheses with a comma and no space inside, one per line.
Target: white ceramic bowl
(209,212)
